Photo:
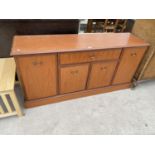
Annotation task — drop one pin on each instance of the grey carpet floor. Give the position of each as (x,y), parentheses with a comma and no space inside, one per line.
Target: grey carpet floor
(120,112)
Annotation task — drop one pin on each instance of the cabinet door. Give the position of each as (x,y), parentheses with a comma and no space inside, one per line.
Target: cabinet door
(128,65)
(101,74)
(38,75)
(73,78)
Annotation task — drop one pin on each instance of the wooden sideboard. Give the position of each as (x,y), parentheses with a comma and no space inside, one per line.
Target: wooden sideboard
(55,68)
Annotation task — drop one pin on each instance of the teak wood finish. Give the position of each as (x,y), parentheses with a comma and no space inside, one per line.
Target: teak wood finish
(73,78)
(101,74)
(129,62)
(72,57)
(38,74)
(54,68)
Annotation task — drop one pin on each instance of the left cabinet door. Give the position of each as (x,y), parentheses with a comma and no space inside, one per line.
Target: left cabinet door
(38,74)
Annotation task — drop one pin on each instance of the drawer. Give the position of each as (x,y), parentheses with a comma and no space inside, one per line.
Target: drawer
(89,56)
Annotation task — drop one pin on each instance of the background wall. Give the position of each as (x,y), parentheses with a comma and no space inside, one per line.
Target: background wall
(9,28)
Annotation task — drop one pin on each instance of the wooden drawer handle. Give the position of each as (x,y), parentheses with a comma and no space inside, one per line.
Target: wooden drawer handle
(92,57)
(133,54)
(74,72)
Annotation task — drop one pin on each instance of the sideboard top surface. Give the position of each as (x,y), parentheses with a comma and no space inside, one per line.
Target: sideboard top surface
(35,44)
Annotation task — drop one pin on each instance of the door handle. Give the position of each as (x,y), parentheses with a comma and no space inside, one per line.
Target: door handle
(92,57)
(133,54)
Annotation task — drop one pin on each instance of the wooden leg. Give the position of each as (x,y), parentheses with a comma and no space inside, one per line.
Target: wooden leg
(15,103)
(134,84)
(6,103)
(1,110)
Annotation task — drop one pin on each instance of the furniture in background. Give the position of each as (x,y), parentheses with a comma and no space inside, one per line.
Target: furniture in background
(61,67)
(145,29)
(11,27)
(106,25)
(9,104)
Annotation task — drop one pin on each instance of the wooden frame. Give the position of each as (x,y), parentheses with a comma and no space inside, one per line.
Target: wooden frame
(6,105)
(7,81)
(59,98)
(144,28)
(70,45)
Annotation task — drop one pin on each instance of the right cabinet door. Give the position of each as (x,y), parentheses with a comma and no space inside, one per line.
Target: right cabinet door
(101,74)
(128,64)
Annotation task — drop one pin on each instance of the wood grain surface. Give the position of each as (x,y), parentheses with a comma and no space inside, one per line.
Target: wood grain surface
(7,74)
(38,74)
(145,29)
(59,98)
(73,78)
(34,44)
(101,74)
(129,62)
(82,65)
(89,56)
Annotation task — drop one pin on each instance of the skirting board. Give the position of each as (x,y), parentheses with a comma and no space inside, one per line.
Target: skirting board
(59,98)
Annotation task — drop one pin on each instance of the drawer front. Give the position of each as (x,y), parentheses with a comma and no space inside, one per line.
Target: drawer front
(73,78)
(101,74)
(89,56)
(128,65)
(38,75)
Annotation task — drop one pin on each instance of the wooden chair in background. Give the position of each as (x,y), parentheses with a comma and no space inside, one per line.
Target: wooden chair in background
(9,105)
(106,25)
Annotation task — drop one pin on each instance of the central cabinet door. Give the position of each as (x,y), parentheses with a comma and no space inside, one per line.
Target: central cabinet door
(73,78)
(101,74)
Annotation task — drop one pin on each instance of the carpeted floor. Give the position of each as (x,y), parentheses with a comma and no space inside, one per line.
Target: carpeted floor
(120,112)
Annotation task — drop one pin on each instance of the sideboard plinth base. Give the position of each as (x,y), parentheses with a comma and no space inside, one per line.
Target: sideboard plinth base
(60,98)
